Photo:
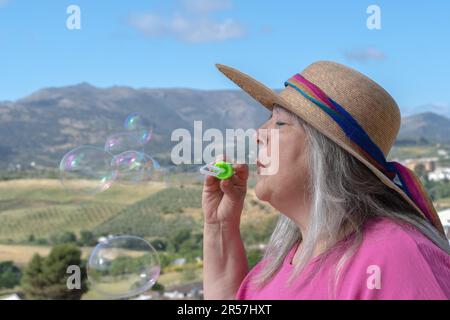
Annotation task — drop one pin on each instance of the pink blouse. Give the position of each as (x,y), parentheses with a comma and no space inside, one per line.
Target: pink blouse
(394,261)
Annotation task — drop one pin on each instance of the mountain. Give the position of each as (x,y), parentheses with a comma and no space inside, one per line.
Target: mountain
(42,127)
(439,108)
(429,126)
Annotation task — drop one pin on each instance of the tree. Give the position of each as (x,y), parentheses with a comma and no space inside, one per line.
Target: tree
(420,170)
(158,287)
(32,281)
(253,257)
(166,259)
(87,238)
(179,237)
(159,245)
(63,238)
(10,275)
(46,278)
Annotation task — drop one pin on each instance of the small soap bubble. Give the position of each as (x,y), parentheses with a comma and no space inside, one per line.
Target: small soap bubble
(87,169)
(136,121)
(123,266)
(129,140)
(134,167)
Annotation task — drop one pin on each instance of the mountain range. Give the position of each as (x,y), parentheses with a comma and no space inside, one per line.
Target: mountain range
(43,126)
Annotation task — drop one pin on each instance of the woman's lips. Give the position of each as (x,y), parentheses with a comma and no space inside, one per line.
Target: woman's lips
(259,164)
(260,167)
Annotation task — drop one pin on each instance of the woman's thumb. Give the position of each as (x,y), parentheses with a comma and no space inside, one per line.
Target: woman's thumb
(227,187)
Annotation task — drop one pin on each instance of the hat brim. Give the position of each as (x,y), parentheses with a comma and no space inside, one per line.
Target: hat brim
(268,98)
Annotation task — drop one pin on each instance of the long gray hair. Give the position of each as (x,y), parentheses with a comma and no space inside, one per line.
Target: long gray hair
(344,194)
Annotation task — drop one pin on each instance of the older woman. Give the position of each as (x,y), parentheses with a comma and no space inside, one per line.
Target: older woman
(352,224)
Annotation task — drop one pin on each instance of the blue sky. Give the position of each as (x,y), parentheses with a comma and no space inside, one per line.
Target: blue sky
(150,43)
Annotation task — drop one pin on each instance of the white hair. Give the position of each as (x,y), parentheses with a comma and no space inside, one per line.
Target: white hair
(344,194)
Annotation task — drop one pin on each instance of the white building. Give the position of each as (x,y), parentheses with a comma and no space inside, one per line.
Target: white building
(439,174)
(174,295)
(444,216)
(179,262)
(143,297)
(11,297)
(442,153)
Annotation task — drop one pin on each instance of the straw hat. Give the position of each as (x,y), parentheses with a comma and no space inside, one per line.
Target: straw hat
(354,112)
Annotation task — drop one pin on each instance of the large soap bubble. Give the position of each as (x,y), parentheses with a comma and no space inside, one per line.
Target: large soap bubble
(123,267)
(134,167)
(87,169)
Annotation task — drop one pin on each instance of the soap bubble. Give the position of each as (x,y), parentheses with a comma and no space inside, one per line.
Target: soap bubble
(134,166)
(123,266)
(136,121)
(129,140)
(87,169)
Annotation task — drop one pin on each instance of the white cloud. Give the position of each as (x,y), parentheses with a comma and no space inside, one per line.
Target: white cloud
(205,30)
(148,23)
(206,6)
(193,25)
(365,55)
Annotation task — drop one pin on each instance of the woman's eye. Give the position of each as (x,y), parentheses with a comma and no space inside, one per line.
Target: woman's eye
(280,123)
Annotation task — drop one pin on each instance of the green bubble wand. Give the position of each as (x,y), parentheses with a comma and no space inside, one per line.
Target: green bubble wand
(221,170)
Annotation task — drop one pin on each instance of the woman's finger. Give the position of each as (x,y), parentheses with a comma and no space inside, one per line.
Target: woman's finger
(211,183)
(227,187)
(238,182)
(241,170)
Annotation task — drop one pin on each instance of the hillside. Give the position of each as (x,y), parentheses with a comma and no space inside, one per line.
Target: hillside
(430,126)
(43,208)
(42,127)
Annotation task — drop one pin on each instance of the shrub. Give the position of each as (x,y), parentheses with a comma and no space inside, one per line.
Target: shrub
(10,275)
(46,278)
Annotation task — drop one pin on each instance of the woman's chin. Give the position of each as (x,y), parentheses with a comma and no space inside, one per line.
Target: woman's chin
(261,191)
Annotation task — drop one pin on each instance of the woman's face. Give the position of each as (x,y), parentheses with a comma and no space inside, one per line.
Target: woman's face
(285,188)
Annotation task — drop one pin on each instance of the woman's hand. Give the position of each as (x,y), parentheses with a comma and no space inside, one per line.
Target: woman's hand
(224,259)
(223,200)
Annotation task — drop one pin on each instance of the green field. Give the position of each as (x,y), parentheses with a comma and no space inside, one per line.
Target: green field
(39,209)
(42,207)
(409,152)
(442,204)
(21,254)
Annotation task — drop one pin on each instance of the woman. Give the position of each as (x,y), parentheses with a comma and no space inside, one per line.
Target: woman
(352,225)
